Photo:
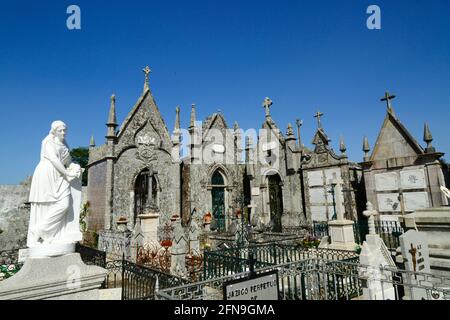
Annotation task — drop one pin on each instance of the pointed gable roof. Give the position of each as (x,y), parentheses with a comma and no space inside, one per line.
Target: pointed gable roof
(216,120)
(319,137)
(395,141)
(144,111)
(322,144)
(269,124)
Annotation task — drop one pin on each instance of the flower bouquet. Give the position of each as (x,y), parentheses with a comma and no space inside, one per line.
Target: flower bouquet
(310,242)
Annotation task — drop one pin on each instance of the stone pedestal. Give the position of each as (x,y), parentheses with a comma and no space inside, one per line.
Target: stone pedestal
(149,227)
(342,236)
(57,278)
(435,224)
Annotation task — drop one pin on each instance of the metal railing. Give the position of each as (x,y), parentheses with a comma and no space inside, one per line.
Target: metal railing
(141,283)
(389,231)
(234,260)
(318,279)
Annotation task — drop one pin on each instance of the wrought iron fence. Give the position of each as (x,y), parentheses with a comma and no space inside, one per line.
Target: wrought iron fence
(389,231)
(318,279)
(115,244)
(320,229)
(234,260)
(141,283)
(114,274)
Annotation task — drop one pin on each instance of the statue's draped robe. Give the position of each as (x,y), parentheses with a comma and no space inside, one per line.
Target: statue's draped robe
(50,195)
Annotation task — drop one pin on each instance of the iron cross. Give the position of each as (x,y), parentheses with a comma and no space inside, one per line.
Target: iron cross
(267,104)
(318,115)
(388,97)
(413,253)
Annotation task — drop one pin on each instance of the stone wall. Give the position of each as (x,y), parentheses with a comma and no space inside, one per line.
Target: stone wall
(96,196)
(14,216)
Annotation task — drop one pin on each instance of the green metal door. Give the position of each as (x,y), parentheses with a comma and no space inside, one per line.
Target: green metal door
(218,207)
(218,200)
(276,202)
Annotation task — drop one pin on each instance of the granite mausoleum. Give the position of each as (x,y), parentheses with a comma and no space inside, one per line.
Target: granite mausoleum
(281,184)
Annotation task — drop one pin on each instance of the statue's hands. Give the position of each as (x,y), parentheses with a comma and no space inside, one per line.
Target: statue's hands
(73,172)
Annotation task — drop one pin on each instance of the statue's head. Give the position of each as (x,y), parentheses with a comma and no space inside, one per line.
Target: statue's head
(59,130)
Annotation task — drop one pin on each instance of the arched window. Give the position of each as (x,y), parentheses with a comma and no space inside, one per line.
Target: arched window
(217,179)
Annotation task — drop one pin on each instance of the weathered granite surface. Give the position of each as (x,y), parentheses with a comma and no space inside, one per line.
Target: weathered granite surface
(14,216)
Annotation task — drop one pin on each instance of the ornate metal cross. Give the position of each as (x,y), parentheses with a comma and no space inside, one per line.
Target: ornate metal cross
(388,97)
(267,104)
(318,115)
(413,253)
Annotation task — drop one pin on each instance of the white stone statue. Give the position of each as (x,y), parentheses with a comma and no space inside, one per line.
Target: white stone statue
(55,197)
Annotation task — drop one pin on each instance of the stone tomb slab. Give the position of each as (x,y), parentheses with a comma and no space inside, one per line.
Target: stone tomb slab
(317,196)
(329,175)
(388,202)
(315,178)
(416,200)
(319,213)
(386,181)
(413,179)
(416,256)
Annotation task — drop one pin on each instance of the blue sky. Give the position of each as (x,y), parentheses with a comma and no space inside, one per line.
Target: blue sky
(228,55)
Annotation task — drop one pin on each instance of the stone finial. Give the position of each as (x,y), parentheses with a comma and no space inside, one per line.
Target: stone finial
(112,122)
(290,131)
(147,72)
(236,126)
(192,121)
(388,97)
(267,104)
(366,149)
(112,111)
(177,118)
(92,142)
(370,213)
(428,138)
(318,115)
(342,146)
(299,123)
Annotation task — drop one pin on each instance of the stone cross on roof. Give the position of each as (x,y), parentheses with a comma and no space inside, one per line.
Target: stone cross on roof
(388,97)
(147,72)
(267,104)
(318,115)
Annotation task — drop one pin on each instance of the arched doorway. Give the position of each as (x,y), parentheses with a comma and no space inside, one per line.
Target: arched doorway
(218,199)
(276,202)
(145,193)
